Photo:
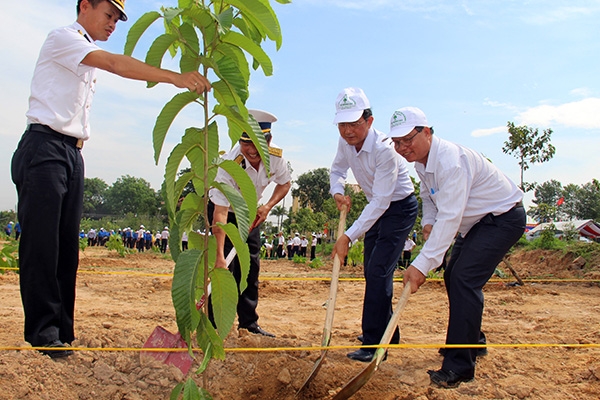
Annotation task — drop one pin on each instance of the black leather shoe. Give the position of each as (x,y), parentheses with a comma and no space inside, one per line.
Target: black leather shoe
(481,351)
(61,350)
(361,355)
(447,379)
(361,338)
(259,331)
(364,355)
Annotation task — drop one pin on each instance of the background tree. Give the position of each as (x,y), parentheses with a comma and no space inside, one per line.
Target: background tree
(529,147)
(568,209)
(588,204)
(94,192)
(131,195)
(542,212)
(279,212)
(313,188)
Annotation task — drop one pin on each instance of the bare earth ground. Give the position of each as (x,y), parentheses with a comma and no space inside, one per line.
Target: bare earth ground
(120,311)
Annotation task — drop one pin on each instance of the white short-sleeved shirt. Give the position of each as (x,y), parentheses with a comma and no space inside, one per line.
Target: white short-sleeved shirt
(458,188)
(62,87)
(381,173)
(280,174)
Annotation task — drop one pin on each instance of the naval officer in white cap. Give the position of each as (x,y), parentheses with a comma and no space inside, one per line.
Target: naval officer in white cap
(246,154)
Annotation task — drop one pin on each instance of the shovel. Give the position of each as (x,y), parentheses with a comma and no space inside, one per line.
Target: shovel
(163,339)
(335,273)
(363,377)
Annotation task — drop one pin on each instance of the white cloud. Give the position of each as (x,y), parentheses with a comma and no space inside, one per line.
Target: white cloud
(497,104)
(550,15)
(579,114)
(581,92)
(488,131)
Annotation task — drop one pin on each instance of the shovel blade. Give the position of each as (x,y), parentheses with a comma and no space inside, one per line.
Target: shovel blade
(163,339)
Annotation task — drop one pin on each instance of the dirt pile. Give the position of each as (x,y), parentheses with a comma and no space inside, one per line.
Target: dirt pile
(120,302)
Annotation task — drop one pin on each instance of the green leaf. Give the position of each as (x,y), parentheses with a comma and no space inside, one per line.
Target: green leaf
(190,39)
(189,64)
(226,19)
(176,391)
(237,56)
(228,70)
(183,292)
(251,48)
(242,250)
(175,238)
(248,29)
(251,127)
(166,117)
(208,339)
(224,299)
(224,94)
(171,13)
(204,19)
(260,13)
(157,51)
(191,139)
(191,209)
(245,185)
(239,206)
(137,30)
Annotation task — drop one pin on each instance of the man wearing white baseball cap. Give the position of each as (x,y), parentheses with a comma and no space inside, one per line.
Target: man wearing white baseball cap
(386,220)
(48,169)
(462,192)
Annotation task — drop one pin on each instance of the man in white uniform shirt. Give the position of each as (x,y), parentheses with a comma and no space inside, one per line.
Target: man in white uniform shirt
(47,167)
(219,210)
(463,193)
(386,220)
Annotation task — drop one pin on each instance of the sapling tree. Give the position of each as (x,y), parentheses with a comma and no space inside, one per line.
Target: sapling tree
(216,38)
(529,147)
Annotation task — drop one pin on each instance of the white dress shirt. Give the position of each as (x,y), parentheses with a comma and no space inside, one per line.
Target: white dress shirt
(62,88)
(380,172)
(280,174)
(458,188)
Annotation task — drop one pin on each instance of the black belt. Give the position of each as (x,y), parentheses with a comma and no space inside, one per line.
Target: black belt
(73,141)
(519,204)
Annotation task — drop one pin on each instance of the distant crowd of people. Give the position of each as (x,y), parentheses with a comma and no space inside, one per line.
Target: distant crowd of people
(278,247)
(12,227)
(141,239)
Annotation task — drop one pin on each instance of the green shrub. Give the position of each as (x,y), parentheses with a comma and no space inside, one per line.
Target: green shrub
(316,263)
(299,259)
(9,255)
(115,243)
(356,253)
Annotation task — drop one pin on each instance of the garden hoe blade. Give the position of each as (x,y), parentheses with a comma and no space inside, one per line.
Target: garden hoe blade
(363,377)
(335,274)
(163,339)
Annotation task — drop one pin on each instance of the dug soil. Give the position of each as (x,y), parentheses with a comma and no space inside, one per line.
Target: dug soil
(121,300)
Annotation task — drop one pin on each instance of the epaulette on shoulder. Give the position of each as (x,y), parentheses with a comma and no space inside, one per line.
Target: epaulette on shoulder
(275,151)
(239,159)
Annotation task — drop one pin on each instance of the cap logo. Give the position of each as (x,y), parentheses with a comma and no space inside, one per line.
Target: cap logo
(398,119)
(346,103)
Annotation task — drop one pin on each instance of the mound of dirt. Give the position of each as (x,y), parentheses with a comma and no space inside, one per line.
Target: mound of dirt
(121,300)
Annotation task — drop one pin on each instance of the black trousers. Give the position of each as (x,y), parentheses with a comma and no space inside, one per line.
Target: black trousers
(383,244)
(248,299)
(48,173)
(472,263)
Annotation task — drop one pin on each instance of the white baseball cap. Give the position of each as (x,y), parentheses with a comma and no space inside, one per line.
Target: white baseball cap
(350,104)
(405,119)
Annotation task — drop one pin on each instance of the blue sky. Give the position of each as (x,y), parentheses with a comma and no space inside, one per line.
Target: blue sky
(471,66)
